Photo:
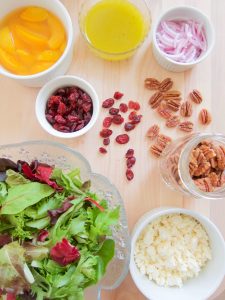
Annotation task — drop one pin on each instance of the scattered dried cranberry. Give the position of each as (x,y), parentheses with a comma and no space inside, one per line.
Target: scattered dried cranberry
(132,115)
(130,153)
(108,103)
(122,139)
(105,132)
(117,119)
(106,141)
(113,111)
(69,109)
(129,174)
(107,122)
(123,107)
(118,95)
(102,150)
(136,119)
(130,162)
(129,126)
(134,105)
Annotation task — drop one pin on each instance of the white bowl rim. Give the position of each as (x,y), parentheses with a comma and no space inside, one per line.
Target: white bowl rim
(205,54)
(70,39)
(77,81)
(153,214)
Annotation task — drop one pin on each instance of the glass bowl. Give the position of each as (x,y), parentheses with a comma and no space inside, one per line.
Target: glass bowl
(142,6)
(66,158)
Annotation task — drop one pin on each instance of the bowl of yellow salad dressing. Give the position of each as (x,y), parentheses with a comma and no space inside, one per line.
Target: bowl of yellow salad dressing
(36,40)
(114,29)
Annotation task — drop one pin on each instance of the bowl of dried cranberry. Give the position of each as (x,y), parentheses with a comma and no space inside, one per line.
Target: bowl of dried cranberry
(67,106)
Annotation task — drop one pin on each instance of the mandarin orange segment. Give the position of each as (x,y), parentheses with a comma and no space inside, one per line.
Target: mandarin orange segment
(34,14)
(30,37)
(49,55)
(57,33)
(40,28)
(10,63)
(6,40)
(40,67)
(25,57)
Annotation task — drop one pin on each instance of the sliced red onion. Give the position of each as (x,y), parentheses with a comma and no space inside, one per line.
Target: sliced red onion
(181,40)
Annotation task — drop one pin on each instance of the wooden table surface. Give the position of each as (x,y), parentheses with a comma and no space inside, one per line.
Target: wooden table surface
(147,191)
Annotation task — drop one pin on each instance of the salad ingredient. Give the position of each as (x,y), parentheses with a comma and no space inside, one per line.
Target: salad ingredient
(113,111)
(186,126)
(118,95)
(64,253)
(174,104)
(32,39)
(117,119)
(43,235)
(122,139)
(152,83)
(114,26)
(153,132)
(136,119)
(186,109)
(102,150)
(155,100)
(129,174)
(129,126)
(105,133)
(123,107)
(106,141)
(108,103)
(205,117)
(132,115)
(181,40)
(69,109)
(107,122)
(173,121)
(164,113)
(129,153)
(175,245)
(134,105)
(165,85)
(130,162)
(196,96)
(162,142)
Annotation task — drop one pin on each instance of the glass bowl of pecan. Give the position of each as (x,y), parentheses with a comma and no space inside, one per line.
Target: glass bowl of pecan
(67,107)
(195,165)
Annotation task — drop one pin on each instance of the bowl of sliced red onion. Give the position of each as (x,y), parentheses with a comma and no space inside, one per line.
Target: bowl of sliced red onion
(182,37)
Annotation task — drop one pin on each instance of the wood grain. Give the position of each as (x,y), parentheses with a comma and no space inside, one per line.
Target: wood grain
(147,191)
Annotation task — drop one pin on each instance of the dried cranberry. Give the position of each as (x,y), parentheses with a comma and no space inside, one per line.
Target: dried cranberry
(86,107)
(137,106)
(107,122)
(106,141)
(113,111)
(118,95)
(136,119)
(130,153)
(108,103)
(61,92)
(86,97)
(129,174)
(117,119)
(123,107)
(80,126)
(132,115)
(50,119)
(72,118)
(62,128)
(105,132)
(54,101)
(122,139)
(102,150)
(129,126)
(60,120)
(61,108)
(133,105)
(130,162)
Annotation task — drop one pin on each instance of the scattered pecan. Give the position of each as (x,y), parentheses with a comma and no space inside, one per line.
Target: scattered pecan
(164,113)
(196,96)
(153,132)
(174,104)
(152,83)
(186,126)
(166,85)
(186,109)
(156,150)
(171,94)
(155,99)
(173,121)
(163,140)
(205,117)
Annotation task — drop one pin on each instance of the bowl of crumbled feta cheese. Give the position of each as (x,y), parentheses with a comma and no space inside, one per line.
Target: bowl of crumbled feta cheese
(177,254)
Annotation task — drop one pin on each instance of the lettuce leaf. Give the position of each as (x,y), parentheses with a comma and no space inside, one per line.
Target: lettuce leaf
(14,178)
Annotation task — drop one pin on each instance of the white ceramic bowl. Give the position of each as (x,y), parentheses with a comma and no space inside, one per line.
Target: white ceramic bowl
(63,63)
(49,88)
(182,12)
(199,288)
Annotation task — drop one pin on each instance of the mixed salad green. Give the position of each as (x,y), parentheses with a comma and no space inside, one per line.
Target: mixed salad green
(55,234)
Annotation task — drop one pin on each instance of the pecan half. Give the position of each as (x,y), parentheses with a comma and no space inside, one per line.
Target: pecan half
(171,94)
(215,180)
(208,152)
(186,109)
(166,85)
(152,83)
(163,139)
(164,113)
(174,104)
(155,99)
(172,121)
(186,126)
(156,150)
(153,132)
(196,96)
(205,117)
(220,156)
(204,184)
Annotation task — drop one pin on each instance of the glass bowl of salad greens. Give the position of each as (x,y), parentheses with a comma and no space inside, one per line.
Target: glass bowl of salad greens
(63,228)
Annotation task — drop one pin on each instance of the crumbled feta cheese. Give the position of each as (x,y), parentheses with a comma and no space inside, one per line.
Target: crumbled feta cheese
(172,249)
